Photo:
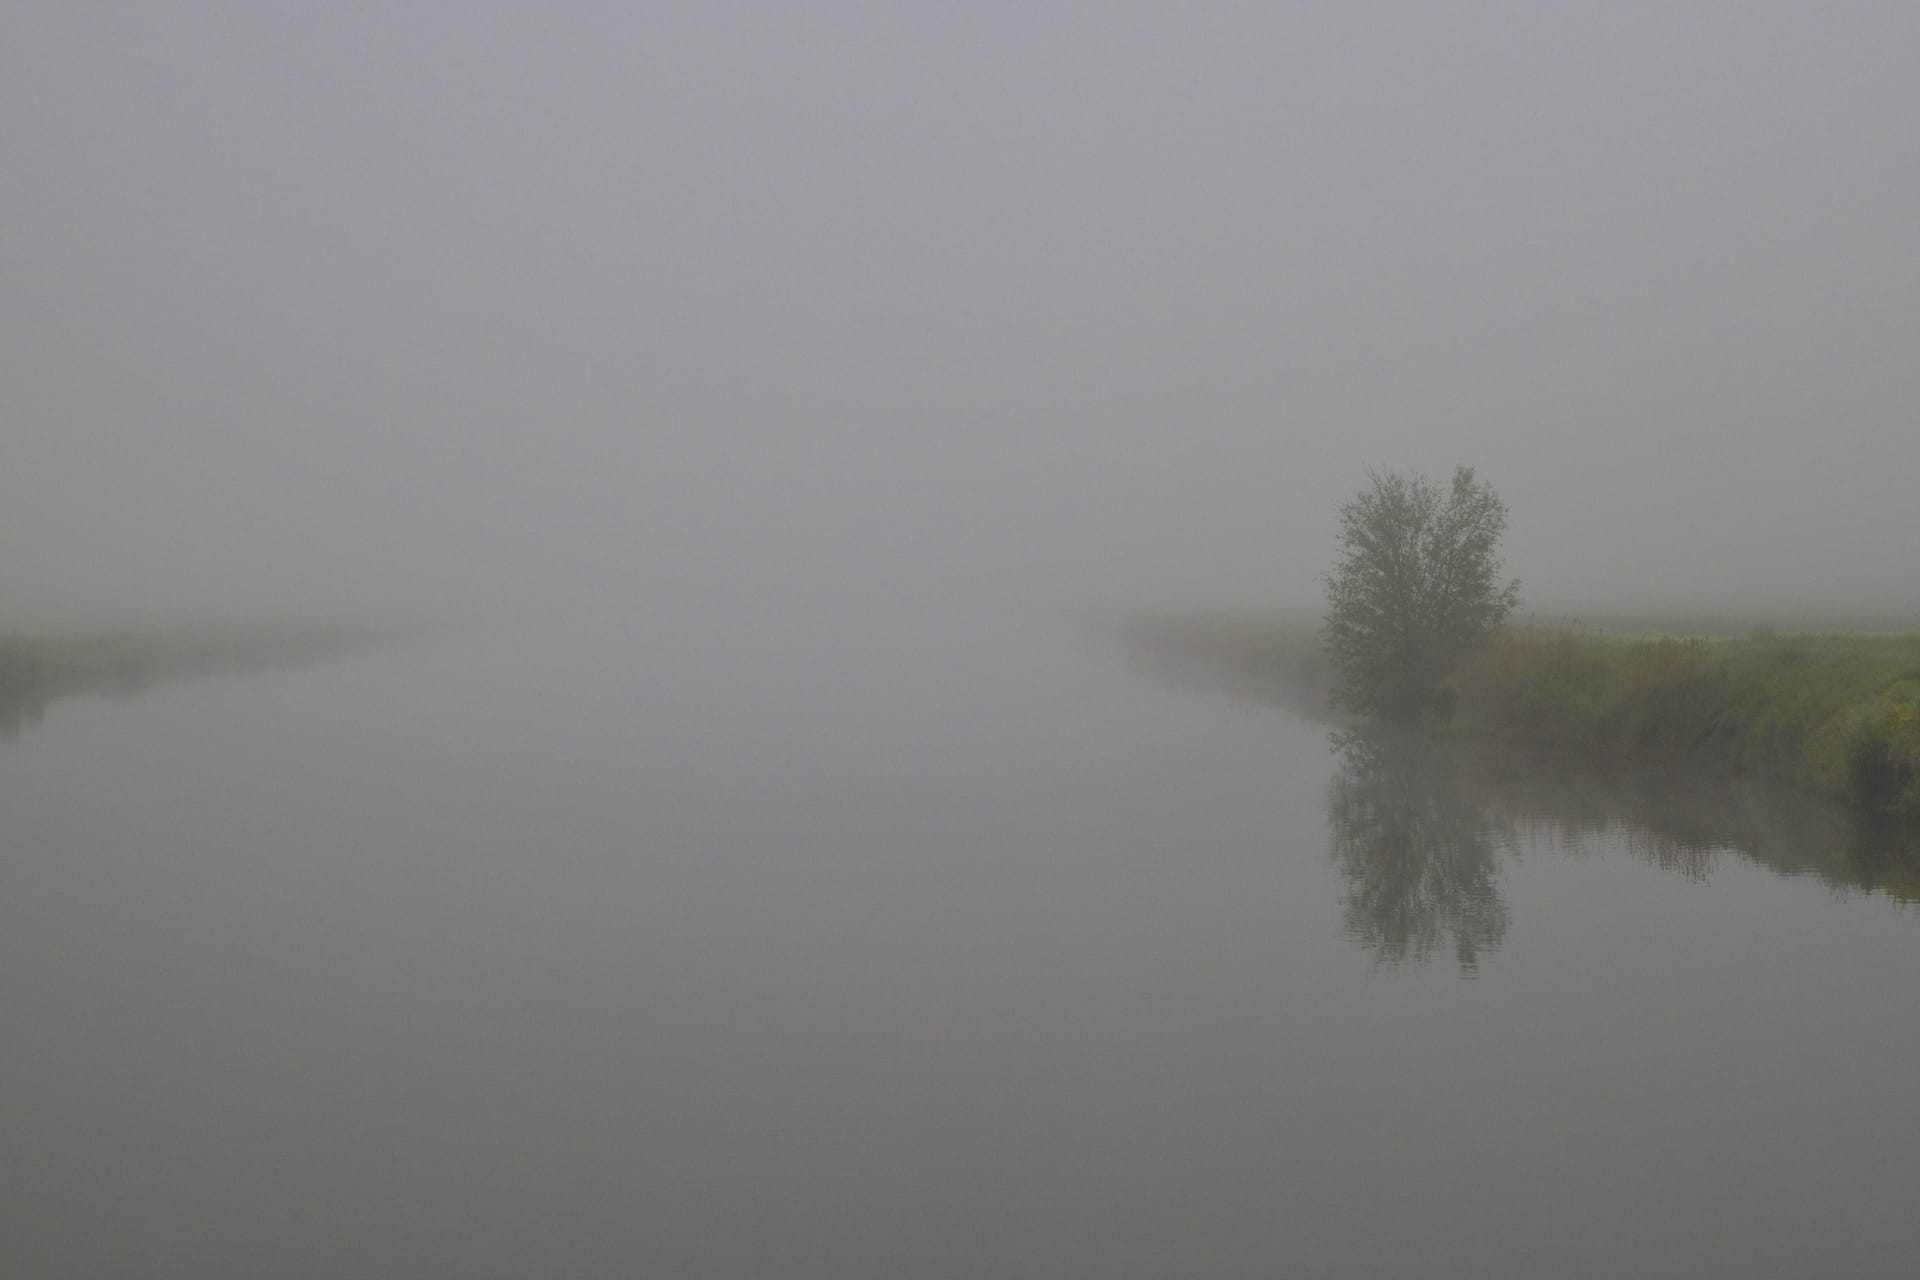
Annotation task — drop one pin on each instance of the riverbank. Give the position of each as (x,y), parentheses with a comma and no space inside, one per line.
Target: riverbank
(36,669)
(1834,713)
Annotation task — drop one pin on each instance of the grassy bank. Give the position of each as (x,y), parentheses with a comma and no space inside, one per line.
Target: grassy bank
(35,669)
(1837,713)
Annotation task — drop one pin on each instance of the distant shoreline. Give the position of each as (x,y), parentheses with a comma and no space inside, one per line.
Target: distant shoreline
(37,670)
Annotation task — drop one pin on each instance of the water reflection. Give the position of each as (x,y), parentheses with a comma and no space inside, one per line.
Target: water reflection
(1420,832)
(25,688)
(1421,858)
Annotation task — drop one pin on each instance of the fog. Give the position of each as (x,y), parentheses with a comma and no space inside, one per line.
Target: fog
(339,307)
(787,881)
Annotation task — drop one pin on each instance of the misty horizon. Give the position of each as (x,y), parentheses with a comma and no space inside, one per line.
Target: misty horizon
(452,308)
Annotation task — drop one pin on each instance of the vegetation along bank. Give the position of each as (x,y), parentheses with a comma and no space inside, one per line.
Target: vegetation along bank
(1837,713)
(1418,633)
(36,669)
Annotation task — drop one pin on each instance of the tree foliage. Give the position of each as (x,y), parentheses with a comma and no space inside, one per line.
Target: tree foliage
(1417,583)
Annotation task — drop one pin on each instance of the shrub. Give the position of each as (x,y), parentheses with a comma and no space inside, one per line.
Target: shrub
(1416,585)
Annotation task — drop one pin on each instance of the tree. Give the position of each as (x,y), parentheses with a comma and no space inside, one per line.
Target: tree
(1415,586)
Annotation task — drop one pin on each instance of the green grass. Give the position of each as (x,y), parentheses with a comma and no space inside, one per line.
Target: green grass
(1836,713)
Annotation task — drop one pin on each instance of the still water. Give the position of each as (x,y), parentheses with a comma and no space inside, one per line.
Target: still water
(957,946)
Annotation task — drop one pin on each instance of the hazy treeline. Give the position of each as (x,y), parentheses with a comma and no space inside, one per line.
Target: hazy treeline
(36,670)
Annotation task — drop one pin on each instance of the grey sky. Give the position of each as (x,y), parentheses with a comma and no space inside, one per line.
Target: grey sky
(317,306)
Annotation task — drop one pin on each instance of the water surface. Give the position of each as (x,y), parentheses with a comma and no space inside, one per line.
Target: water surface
(779,943)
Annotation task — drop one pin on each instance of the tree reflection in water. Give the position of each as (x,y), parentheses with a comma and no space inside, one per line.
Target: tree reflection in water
(1420,827)
(1419,832)
(1421,858)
